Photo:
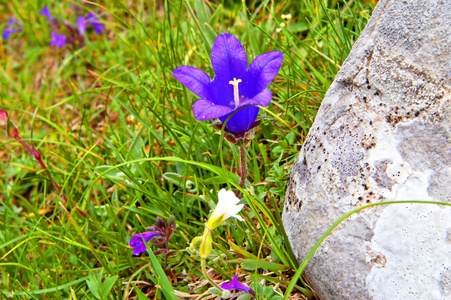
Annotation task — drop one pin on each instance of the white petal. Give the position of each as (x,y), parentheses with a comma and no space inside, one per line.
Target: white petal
(227,206)
(238,217)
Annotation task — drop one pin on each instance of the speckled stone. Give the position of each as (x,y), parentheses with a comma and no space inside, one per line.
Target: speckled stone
(382,133)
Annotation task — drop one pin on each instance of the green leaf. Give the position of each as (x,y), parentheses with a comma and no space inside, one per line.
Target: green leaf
(253,264)
(245,297)
(268,292)
(94,285)
(215,291)
(164,283)
(107,285)
(215,17)
(140,294)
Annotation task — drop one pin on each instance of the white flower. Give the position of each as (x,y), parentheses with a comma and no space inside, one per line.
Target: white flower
(227,207)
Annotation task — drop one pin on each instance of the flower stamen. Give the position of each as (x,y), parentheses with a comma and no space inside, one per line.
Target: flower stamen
(236,95)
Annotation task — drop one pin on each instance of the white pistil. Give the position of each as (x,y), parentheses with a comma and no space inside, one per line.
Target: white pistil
(236,95)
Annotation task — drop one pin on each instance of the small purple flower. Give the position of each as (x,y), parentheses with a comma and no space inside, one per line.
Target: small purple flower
(46,12)
(137,242)
(81,24)
(12,21)
(91,20)
(94,22)
(9,29)
(58,40)
(234,284)
(234,86)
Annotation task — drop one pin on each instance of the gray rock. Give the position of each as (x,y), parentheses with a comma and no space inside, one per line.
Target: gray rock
(382,133)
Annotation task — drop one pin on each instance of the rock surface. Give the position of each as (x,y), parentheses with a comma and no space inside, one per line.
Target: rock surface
(382,133)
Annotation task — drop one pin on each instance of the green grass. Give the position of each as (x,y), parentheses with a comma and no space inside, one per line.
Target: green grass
(118,135)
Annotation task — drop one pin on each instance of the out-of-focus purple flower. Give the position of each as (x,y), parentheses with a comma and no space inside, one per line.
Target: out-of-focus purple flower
(138,242)
(91,20)
(81,24)
(7,32)
(234,86)
(46,12)
(94,22)
(234,284)
(58,40)
(9,29)
(12,21)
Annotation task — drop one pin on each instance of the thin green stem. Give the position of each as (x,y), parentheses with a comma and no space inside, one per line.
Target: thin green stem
(204,271)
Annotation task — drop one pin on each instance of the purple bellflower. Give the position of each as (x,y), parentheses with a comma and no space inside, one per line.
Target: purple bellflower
(91,20)
(234,86)
(94,22)
(81,24)
(234,284)
(46,12)
(9,29)
(58,40)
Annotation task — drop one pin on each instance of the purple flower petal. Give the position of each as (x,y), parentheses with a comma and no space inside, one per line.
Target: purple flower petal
(81,24)
(7,32)
(94,22)
(263,70)
(228,58)
(263,99)
(138,241)
(11,21)
(242,120)
(46,12)
(58,40)
(204,109)
(234,284)
(197,81)
(98,28)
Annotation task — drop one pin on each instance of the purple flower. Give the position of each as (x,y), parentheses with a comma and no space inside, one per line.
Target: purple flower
(58,40)
(81,24)
(91,20)
(46,12)
(8,30)
(137,242)
(94,22)
(234,86)
(12,21)
(234,284)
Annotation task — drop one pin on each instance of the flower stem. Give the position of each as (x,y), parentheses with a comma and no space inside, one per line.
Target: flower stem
(11,130)
(204,271)
(243,167)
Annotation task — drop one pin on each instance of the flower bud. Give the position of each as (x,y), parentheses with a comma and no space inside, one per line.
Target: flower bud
(206,245)
(195,243)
